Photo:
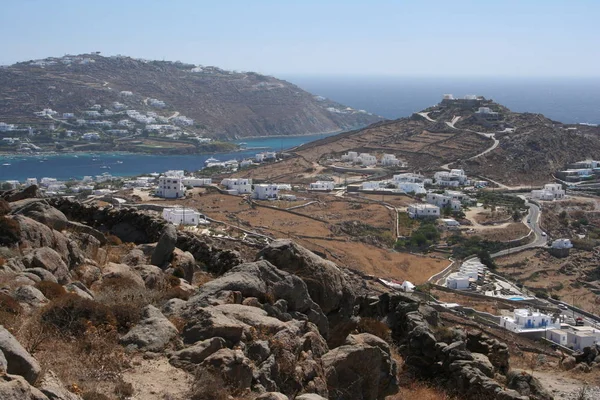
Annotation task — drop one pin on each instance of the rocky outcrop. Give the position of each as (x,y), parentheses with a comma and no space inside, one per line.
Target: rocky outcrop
(44,213)
(360,369)
(164,249)
(14,387)
(54,389)
(29,192)
(19,361)
(152,333)
(49,260)
(527,385)
(215,259)
(123,272)
(261,280)
(233,366)
(190,357)
(326,282)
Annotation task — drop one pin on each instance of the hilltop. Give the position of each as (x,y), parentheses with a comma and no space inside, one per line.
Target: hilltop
(482,137)
(56,95)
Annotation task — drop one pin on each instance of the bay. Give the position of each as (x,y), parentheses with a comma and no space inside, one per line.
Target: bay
(77,165)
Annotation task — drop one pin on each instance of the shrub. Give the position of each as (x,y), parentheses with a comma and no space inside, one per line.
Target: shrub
(179,272)
(173,281)
(73,314)
(4,207)
(10,231)
(51,290)
(126,315)
(9,305)
(374,327)
(114,240)
(94,396)
(208,386)
(176,293)
(123,389)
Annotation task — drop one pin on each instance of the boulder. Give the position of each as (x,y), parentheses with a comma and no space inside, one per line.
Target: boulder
(134,257)
(154,277)
(164,249)
(29,192)
(258,351)
(262,280)
(3,362)
(42,274)
(20,362)
(88,273)
(45,214)
(190,357)
(482,363)
(152,333)
(30,296)
(569,363)
(14,387)
(122,271)
(232,365)
(326,282)
(88,230)
(272,396)
(527,385)
(48,259)
(310,396)
(184,260)
(362,370)
(54,389)
(80,290)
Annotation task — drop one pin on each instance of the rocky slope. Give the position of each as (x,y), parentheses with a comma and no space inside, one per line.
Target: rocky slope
(87,317)
(223,104)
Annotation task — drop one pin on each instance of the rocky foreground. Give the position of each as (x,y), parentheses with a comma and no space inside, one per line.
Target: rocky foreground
(99,303)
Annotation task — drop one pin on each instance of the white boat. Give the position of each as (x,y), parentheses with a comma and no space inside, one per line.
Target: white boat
(211,161)
(5,164)
(119,162)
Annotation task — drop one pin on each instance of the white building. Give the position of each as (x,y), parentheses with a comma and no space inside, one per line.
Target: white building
(562,244)
(175,173)
(527,320)
(351,156)
(366,159)
(31,182)
(4,127)
(423,211)
(410,187)
(458,281)
(265,191)
(557,336)
(450,223)
(170,187)
(325,186)
(581,337)
(551,191)
(266,156)
(238,185)
(47,181)
(90,136)
(183,216)
(442,201)
(390,160)
(372,185)
(246,163)
(197,182)
(454,177)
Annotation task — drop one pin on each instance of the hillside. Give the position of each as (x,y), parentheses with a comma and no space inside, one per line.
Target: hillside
(217,104)
(509,147)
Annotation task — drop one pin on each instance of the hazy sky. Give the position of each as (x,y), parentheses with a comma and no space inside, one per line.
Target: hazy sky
(375,37)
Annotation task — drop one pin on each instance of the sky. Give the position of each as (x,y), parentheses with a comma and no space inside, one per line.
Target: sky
(318,37)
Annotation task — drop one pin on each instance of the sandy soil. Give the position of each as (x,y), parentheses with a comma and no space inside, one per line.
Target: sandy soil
(156,379)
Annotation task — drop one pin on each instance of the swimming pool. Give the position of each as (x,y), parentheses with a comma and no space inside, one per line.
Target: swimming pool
(516,298)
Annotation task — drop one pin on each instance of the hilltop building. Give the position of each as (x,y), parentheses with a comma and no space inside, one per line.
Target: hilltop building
(454,177)
(551,191)
(423,211)
(265,191)
(237,185)
(183,216)
(170,187)
(526,320)
(323,186)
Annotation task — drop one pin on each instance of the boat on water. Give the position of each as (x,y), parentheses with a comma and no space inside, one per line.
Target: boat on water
(119,162)
(105,167)
(5,164)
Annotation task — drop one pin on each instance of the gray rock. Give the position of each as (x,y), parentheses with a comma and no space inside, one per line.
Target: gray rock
(569,363)
(261,280)
(310,396)
(14,387)
(30,296)
(48,259)
(20,362)
(326,282)
(164,249)
(272,396)
(233,366)
(482,363)
(44,213)
(154,277)
(363,370)
(258,351)
(134,257)
(190,357)
(112,270)
(527,385)
(88,273)
(3,362)
(54,389)
(184,260)
(42,274)
(174,307)
(88,230)
(80,290)
(152,333)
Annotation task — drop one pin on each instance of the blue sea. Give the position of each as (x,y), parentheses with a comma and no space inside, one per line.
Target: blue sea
(569,100)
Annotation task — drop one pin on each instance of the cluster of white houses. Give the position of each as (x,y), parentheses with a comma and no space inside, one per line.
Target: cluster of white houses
(366,159)
(580,171)
(470,272)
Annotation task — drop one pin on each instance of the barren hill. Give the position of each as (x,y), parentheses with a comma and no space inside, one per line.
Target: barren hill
(223,104)
(512,148)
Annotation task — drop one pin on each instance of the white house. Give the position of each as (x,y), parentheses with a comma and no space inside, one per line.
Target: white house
(407,286)
(372,185)
(578,339)
(366,159)
(325,186)
(90,136)
(47,181)
(183,216)
(266,156)
(450,223)
(390,160)
(351,156)
(238,185)
(458,281)
(525,320)
(265,191)
(557,336)
(423,211)
(246,163)
(562,244)
(170,187)
(454,177)
(4,127)
(442,201)
(410,187)
(31,182)
(175,173)
(68,115)
(196,182)
(551,191)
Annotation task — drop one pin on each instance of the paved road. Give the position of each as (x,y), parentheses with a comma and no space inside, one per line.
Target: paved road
(533,221)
